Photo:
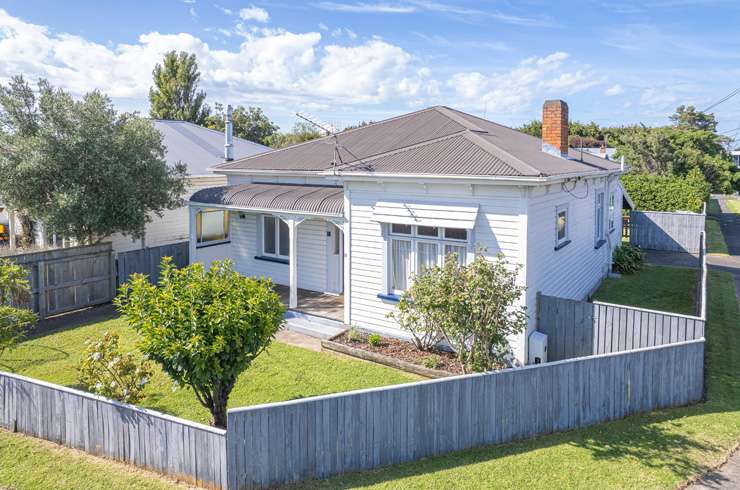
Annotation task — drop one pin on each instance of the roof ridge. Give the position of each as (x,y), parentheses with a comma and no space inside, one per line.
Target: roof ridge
(208,129)
(454,115)
(316,140)
(503,155)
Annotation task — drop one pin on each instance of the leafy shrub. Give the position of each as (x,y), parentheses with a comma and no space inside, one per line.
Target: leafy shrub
(107,372)
(474,306)
(374,339)
(652,192)
(432,361)
(353,334)
(627,259)
(14,290)
(203,326)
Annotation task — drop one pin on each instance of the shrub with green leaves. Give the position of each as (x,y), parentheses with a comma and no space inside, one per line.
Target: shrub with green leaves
(15,290)
(107,372)
(374,339)
(627,259)
(203,326)
(432,361)
(652,192)
(476,307)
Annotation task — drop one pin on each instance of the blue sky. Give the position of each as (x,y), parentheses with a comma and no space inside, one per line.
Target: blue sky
(346,60)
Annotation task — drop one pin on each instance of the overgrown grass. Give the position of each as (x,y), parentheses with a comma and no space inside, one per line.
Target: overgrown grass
(715,239)
(33,464)
(283,372)
(657,450)
(658,288)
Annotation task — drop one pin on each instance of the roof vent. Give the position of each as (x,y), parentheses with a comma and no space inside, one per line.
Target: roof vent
(229,134)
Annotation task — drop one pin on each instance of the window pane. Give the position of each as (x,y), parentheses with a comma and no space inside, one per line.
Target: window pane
(456,233)
(427,231)
(212,226)
(336,240)
(268,233)
(403,229)
(284,238)
(599,215)
(460,250)
(561,225)
(426,256)
(400,256)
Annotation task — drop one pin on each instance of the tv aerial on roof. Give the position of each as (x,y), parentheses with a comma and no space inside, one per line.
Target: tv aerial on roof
(329,129)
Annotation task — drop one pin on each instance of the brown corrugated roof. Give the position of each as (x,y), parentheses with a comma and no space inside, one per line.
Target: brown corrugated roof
(325,200)
(438,140)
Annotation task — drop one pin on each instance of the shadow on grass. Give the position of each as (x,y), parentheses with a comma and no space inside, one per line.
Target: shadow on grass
(69,321)
(40,354)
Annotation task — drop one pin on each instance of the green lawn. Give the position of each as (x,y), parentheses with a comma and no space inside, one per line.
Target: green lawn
(733,205)
(713,207)
(28,463)
(715,239)
(657,450)
(657,288)
(283,372)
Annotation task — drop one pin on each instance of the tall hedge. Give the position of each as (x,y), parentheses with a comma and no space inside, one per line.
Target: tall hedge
(652,192)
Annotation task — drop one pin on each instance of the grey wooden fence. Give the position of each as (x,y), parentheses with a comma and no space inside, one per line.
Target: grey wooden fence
(278,443)
(68,279)
(103,427)
(673,232)
(580,328)
(147,260)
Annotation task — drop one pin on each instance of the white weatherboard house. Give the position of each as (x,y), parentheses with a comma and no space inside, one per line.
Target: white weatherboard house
(342,222)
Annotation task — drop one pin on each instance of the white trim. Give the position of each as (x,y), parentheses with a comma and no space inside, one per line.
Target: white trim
(261,231)
(262,210)
(558,209)
(599,213)
(426,214)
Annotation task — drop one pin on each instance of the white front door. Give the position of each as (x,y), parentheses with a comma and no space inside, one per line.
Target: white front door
(334,261)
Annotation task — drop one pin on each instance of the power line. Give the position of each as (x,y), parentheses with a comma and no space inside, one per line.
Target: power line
(723,99)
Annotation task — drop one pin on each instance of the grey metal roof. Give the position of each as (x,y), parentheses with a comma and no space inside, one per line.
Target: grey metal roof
(303,198)
(200,148)
(437,140)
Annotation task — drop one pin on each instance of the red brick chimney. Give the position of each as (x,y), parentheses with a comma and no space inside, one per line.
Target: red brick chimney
(555,127)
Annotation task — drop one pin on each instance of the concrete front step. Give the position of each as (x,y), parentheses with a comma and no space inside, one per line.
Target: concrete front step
(313,326)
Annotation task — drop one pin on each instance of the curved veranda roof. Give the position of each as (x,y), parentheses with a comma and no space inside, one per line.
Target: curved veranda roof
(298,198)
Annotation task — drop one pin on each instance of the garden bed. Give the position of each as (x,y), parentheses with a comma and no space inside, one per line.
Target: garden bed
(396,353)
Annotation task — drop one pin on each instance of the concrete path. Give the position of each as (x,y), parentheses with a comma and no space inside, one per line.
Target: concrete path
(726,476)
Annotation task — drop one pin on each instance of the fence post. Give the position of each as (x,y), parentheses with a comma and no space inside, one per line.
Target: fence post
(41,286)
(113,274)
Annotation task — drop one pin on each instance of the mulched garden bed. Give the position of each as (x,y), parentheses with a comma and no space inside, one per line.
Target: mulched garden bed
(404,351)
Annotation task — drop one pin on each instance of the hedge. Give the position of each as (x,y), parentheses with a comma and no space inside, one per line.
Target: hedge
(666,193)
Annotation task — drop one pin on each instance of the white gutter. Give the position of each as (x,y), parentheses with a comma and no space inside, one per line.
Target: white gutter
(262,210)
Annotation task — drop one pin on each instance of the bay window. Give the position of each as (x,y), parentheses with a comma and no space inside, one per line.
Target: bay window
(412,249)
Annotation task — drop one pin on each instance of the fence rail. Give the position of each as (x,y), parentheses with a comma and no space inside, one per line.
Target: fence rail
(68,279)
(279,443)
(115,430)
(147,260)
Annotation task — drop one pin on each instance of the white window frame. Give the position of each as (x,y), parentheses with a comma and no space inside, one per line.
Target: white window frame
(414,238)
(561,242)
(226,219)
(611,208)
(599,235)
(276,254)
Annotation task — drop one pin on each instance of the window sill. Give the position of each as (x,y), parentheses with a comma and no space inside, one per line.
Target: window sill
(277,260)
(212,244)
(599,244)
(562,245)
(393,298)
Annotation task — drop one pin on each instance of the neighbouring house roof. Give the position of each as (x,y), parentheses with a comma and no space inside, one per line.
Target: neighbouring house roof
(433,141)
(200,148)
(300,198)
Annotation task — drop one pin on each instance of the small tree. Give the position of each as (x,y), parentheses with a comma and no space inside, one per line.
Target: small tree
(249,123)
(108,372)
(14,291)
(474,307)
(204,327)
(175,93)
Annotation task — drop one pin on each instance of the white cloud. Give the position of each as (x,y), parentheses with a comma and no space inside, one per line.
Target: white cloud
(254,13)
(366,8)
(225,10)
(323,26)
(193,13)
(615,89)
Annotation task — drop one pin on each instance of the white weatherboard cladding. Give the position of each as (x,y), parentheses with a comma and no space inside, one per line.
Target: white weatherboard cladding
(498,228)
(245,245)
(576,269)
(429,213)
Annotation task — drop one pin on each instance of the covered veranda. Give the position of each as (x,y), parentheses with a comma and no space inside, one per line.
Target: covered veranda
(262,217)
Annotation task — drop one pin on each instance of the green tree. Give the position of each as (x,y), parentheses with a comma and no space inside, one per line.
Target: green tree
(249,123)
(474,307)
(687,117)
(80,167)
(204,327)
(175,93)
(532,128)
(14,290)
(301,132)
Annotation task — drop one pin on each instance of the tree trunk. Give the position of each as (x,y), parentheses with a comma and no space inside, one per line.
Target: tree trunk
(218,410)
